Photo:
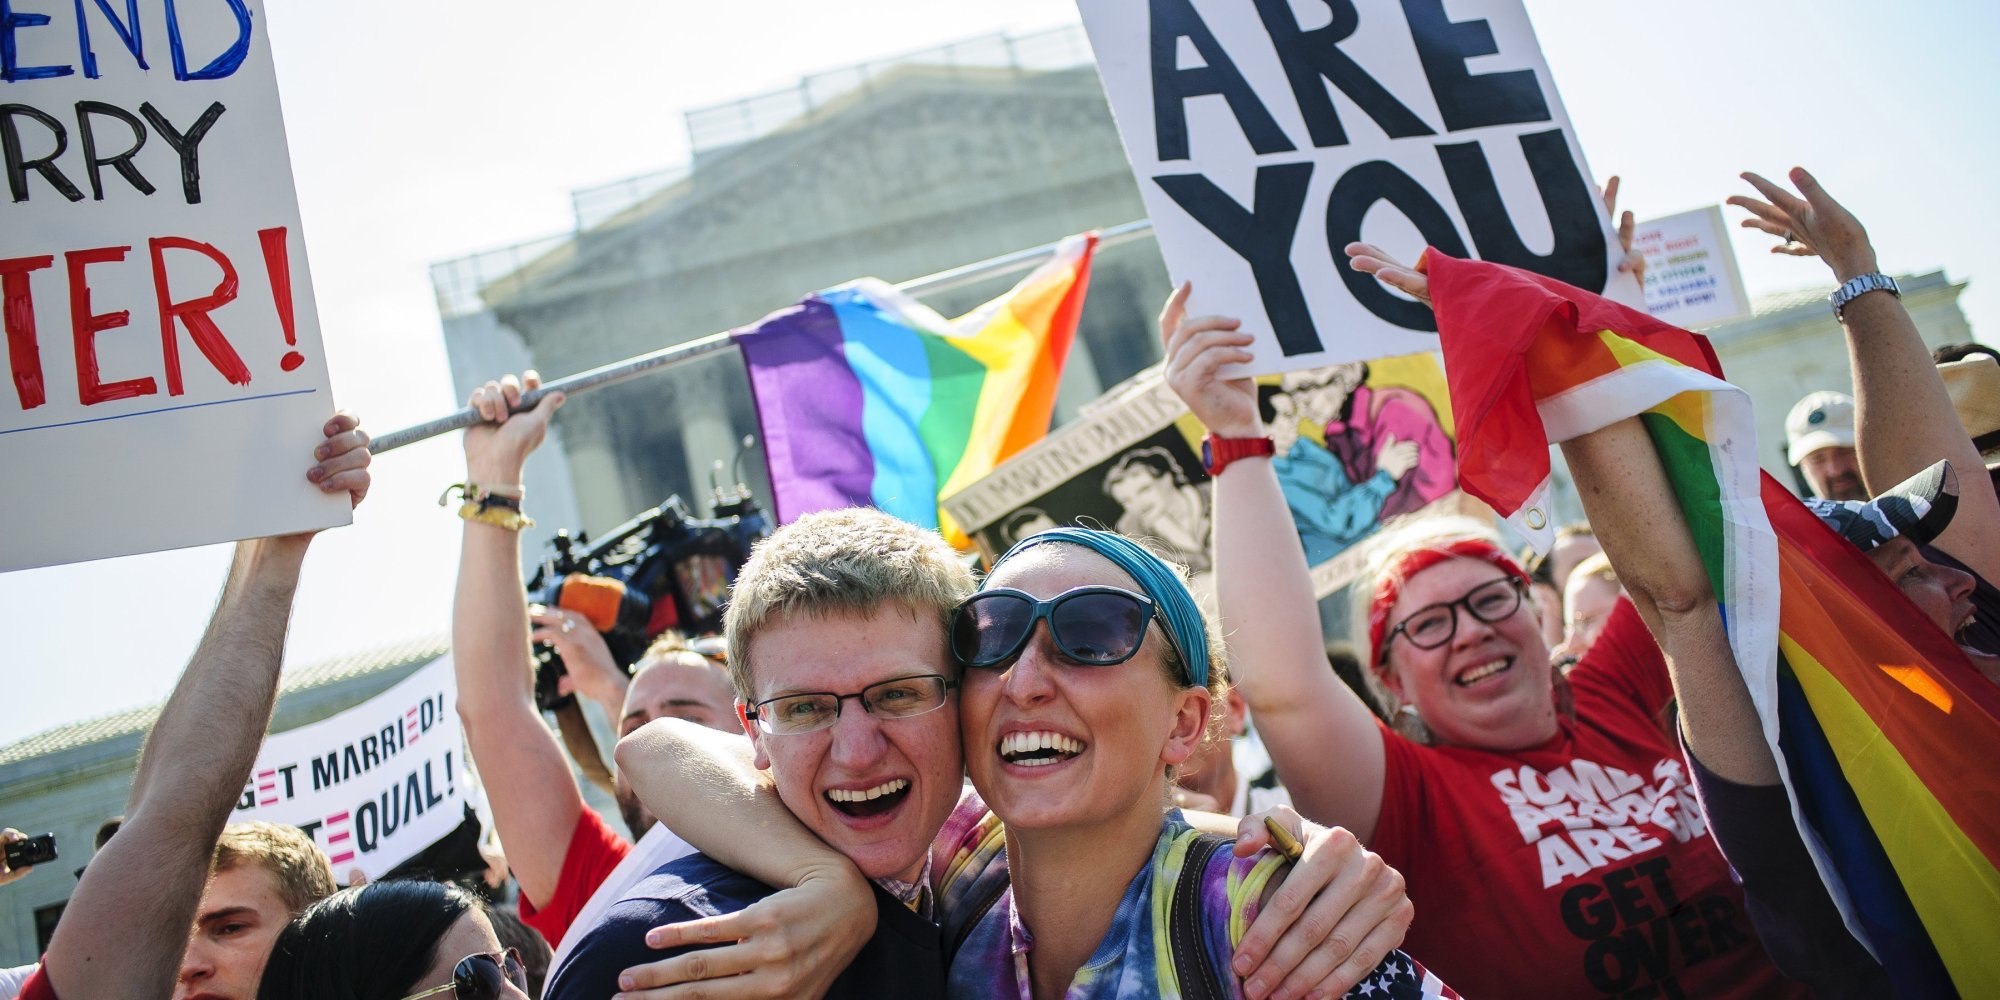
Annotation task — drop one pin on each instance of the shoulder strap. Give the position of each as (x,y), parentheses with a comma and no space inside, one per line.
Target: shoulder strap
(1192,967)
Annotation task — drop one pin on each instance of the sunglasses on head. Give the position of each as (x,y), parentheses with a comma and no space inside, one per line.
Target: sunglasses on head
(1094,626)
(482,977)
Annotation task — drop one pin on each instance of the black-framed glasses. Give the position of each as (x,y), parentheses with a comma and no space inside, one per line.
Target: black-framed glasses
(1094,626)
(482,977)
(812,711)
(1433,625)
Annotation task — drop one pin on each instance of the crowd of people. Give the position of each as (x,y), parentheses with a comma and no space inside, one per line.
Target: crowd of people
(1544,775)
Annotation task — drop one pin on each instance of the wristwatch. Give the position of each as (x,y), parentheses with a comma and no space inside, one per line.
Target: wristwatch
(1860,285)
(1217,451)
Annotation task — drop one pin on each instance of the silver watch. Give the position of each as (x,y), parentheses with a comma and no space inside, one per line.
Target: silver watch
(1860,285)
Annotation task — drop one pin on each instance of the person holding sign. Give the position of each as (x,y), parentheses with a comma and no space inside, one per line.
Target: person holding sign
(1551,854)
(125,929)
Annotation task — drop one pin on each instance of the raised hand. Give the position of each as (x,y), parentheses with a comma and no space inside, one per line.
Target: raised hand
(1197,348)
(1634,263)
(343,458)
(1371,259)
(496,449)
(1812,225)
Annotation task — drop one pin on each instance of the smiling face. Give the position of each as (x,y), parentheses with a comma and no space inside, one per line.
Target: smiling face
(238,921)
(1489,686)
(1054,745)
(679,685)
(1943,594)
(876,790)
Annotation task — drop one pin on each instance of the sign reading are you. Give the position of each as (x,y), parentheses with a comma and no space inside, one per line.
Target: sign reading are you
(1268,134)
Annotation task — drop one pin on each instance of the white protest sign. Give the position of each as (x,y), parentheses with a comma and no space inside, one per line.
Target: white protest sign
(376,783)
(1268,135)
(1691,274)
(166,383)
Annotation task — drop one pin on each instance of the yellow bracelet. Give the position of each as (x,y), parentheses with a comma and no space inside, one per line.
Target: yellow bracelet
(499,517)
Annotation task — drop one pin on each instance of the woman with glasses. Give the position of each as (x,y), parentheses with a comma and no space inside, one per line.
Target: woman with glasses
(1089,675)
(398,939)
(1549,833)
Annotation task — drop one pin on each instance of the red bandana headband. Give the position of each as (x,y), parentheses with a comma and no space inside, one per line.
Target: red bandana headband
(1415,561)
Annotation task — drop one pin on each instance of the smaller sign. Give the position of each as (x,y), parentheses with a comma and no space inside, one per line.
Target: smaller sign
(1359,444)
(373,785)
(1691,275)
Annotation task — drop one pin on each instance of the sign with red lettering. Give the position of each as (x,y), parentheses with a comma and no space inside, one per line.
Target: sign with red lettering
(165,378)
(372,785)
(1691,275)
(1267,136)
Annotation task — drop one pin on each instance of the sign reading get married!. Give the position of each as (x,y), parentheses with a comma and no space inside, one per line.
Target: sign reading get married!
(165,383)
(372,785)
(1266,135)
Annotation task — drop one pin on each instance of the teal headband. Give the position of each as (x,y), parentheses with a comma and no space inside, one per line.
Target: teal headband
(1177,608)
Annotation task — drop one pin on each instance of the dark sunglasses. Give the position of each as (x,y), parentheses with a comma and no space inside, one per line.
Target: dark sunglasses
(1095,626)
(482,977)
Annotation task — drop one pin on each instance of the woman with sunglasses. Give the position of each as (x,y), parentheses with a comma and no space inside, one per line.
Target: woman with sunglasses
(1089,674)
(1549,832)
(397,940)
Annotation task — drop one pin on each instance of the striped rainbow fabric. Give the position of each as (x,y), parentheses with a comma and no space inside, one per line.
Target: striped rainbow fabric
(1886,735)
(867,397)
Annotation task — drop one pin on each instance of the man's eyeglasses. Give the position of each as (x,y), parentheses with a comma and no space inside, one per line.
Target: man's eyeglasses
(1433,625)
(482,977)
(898,698)
(1094,626)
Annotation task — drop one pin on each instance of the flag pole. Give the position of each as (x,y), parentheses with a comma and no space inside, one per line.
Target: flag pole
(668,357)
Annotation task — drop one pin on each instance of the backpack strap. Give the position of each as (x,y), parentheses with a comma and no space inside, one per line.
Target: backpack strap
(1192,968)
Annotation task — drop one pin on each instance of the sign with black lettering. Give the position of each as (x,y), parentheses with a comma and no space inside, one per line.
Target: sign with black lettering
(372,785)
(165,377)
(1691,275)
(1268,135)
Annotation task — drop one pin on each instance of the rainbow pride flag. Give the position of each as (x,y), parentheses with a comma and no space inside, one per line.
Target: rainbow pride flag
(867,397)
(1886,735)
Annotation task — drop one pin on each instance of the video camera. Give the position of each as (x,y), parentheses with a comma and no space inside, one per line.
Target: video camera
(663,569)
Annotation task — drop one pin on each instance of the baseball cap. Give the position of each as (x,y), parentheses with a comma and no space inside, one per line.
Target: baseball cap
(1823,419)
(1974,385)
(1918,508)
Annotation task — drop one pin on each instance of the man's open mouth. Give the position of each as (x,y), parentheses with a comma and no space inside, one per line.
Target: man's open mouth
(870,801)
(1038,749)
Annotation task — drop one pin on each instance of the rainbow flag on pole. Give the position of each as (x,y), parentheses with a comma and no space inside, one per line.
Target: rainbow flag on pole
(1886,735)
(867,397)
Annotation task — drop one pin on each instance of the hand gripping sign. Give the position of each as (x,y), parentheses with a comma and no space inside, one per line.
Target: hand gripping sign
(1266,135)
(163,354)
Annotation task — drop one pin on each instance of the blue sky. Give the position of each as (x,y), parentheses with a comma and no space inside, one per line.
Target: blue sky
(422,132)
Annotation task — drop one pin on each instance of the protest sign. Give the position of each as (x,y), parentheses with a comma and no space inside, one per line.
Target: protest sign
(1691,275)
(166,384)
(1359,444)
(1267,136)
(372,785)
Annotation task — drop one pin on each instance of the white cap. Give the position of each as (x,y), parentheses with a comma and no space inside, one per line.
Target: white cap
(1823,419)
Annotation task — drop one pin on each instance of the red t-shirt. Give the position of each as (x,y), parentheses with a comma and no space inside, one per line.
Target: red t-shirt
(1579,868)
(38,986)
(594,849)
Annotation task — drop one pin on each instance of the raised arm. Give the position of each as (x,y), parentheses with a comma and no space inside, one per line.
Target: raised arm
(1904,421)
(1324,741)
(1631,506)
(126,927)
(534,796)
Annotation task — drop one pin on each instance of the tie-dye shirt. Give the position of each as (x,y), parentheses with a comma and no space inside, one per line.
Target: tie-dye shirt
(1133,959)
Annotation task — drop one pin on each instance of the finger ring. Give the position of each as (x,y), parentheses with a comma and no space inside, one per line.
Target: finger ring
(568,625)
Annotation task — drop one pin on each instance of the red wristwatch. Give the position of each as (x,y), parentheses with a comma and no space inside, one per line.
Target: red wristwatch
(1217,451)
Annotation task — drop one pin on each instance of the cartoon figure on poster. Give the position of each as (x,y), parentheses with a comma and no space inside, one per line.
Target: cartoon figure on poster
(1161,506)
(1351,455)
